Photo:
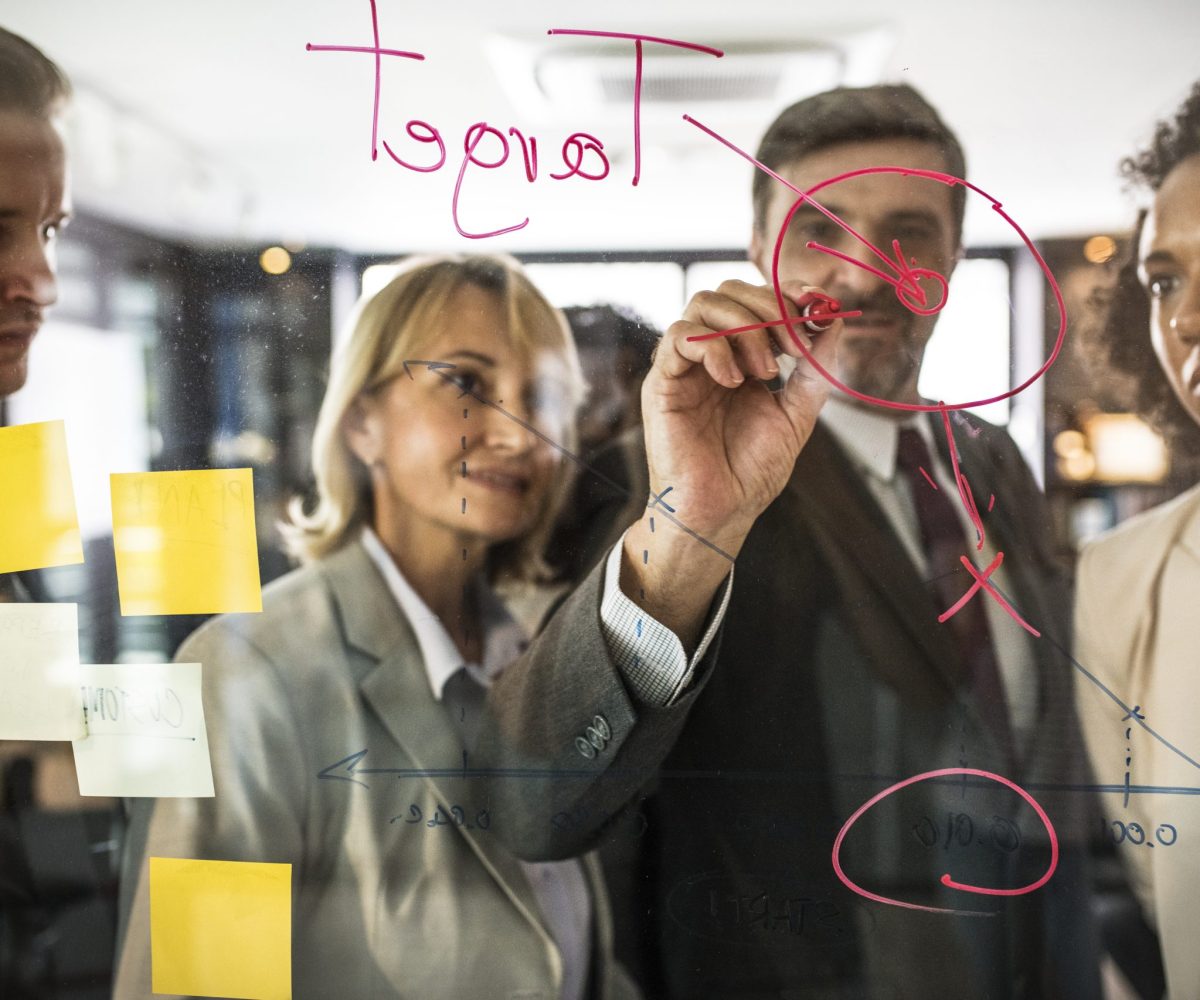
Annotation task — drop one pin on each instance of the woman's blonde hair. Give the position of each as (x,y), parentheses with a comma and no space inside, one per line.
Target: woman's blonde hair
(390,327)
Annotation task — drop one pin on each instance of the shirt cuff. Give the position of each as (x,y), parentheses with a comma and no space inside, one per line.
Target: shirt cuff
(649,655)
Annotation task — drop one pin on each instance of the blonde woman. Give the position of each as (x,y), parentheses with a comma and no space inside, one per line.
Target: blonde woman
(426,497)
(349,728)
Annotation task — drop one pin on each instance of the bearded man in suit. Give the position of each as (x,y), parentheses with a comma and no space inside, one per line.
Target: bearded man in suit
(835,680)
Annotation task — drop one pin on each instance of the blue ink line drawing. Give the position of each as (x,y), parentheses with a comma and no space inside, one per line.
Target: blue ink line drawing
(668,511)
(348,769)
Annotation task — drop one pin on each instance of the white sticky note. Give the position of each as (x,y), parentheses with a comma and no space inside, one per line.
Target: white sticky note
(145,732)
(39,672)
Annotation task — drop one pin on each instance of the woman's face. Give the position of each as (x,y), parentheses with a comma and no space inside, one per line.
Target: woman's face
(446,467)
(1169,269)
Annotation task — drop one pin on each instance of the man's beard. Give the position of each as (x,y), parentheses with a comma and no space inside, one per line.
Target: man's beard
(883,371)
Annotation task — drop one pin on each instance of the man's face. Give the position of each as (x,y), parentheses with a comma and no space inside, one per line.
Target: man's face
(881,351)
(34,203)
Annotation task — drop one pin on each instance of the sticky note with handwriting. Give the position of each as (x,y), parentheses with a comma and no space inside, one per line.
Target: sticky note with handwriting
(39,672)
(185,542)
(38,525)
(145,731)
(221,928)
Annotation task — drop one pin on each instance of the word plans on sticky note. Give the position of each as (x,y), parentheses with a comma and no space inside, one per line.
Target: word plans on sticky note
(185,542)
(39,672)
(221,928)
(145,731)
(38,525)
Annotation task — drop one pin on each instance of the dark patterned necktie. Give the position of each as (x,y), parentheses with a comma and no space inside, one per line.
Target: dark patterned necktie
(943,540)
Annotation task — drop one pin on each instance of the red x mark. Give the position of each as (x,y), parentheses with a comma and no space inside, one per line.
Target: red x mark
(982,581)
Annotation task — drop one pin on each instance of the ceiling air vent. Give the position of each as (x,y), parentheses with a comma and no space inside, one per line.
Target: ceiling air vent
(564,78)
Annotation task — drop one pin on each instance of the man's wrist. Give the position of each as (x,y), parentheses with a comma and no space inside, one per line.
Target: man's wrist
(672,575)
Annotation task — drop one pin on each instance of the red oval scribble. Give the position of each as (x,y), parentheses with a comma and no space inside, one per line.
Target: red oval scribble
(947,879)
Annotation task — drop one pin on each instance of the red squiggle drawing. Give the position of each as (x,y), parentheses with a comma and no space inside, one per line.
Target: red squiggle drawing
(947,880)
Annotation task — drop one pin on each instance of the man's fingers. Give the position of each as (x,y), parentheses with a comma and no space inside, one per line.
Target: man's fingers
(730,357)
(677,355)
(738,306)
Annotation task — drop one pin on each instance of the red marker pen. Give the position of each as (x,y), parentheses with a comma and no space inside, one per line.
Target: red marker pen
(817,307)
(813,308)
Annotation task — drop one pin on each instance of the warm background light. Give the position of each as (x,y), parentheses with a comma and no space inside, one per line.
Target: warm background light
(1100,249)
(1127,449)
(275,260)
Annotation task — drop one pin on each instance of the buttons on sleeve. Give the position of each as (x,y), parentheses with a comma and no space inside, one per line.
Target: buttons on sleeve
(595,738)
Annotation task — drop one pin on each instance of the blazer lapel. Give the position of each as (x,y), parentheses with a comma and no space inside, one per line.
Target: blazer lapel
(397,688)
(853,533)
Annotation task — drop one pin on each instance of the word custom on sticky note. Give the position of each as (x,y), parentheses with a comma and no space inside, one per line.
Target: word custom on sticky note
(221,928)
(38,524)
(185,542)
(145,731)
(39,672)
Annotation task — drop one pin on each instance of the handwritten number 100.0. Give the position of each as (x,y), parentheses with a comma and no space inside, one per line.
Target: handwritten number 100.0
(1119,832)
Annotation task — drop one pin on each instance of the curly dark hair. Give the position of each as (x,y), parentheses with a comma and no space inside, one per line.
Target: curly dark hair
(1122,338)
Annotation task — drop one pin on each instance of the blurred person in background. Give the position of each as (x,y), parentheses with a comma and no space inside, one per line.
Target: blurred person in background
(1138,585)
(616,348)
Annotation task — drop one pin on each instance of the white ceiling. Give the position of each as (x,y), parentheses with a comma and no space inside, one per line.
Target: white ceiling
(207,118)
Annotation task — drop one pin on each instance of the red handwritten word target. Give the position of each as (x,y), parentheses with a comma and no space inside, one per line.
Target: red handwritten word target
(582,154)
(947,879)
(904,279)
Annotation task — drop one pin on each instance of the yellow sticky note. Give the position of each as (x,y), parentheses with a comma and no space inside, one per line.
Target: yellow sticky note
(38,526)
(221,928)
(185,542)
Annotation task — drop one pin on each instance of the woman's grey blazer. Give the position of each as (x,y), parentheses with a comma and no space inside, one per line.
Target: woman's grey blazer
(330,752)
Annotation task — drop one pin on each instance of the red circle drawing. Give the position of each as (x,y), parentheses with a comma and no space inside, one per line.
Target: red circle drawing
(946,879)
(909,294)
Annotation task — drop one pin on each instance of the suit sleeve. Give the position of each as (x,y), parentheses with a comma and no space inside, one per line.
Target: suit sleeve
(258,808)
(573,745)
(564,738)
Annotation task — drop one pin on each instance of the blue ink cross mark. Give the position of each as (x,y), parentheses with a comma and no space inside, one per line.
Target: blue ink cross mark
(658,499)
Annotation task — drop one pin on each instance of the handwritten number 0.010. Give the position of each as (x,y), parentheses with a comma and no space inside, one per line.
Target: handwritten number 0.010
(1003,834)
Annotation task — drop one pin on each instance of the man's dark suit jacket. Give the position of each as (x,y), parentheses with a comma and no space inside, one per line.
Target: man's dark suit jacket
(834,681)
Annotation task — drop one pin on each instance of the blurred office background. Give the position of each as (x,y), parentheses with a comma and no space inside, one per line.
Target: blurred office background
(229,213)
